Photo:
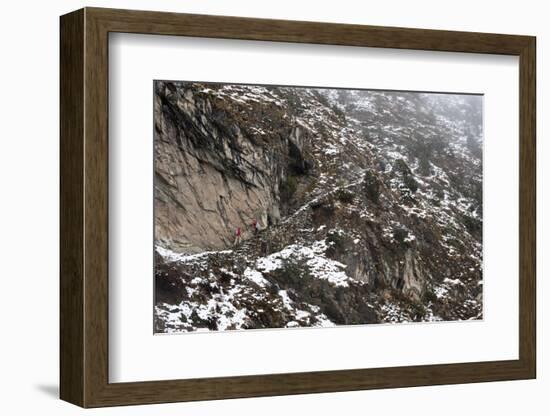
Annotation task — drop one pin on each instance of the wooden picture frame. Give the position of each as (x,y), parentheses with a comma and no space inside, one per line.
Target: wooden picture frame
(84,207)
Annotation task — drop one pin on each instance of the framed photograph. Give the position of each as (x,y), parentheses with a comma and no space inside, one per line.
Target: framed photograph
(257,207)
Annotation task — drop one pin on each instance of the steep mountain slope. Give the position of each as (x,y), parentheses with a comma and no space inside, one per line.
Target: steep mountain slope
(369,207)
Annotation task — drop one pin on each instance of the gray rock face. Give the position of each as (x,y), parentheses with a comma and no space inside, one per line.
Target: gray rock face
(210,179)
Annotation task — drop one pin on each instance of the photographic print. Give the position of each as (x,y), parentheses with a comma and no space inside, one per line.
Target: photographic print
(289,206)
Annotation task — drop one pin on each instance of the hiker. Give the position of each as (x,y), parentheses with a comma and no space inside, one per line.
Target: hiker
(237,236)
(255,226)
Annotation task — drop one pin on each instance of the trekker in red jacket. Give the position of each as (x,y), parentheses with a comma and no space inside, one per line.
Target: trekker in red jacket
(255,226)
(237,236)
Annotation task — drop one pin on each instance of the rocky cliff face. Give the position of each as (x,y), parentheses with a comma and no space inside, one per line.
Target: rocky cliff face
(213,171)
(369,206)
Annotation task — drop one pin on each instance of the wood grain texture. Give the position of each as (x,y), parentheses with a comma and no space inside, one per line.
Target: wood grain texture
(527,207)
(162,23)
(71,100)
(96,219)
(84,207)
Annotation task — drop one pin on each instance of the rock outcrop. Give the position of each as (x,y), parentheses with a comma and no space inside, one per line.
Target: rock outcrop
(210,176)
